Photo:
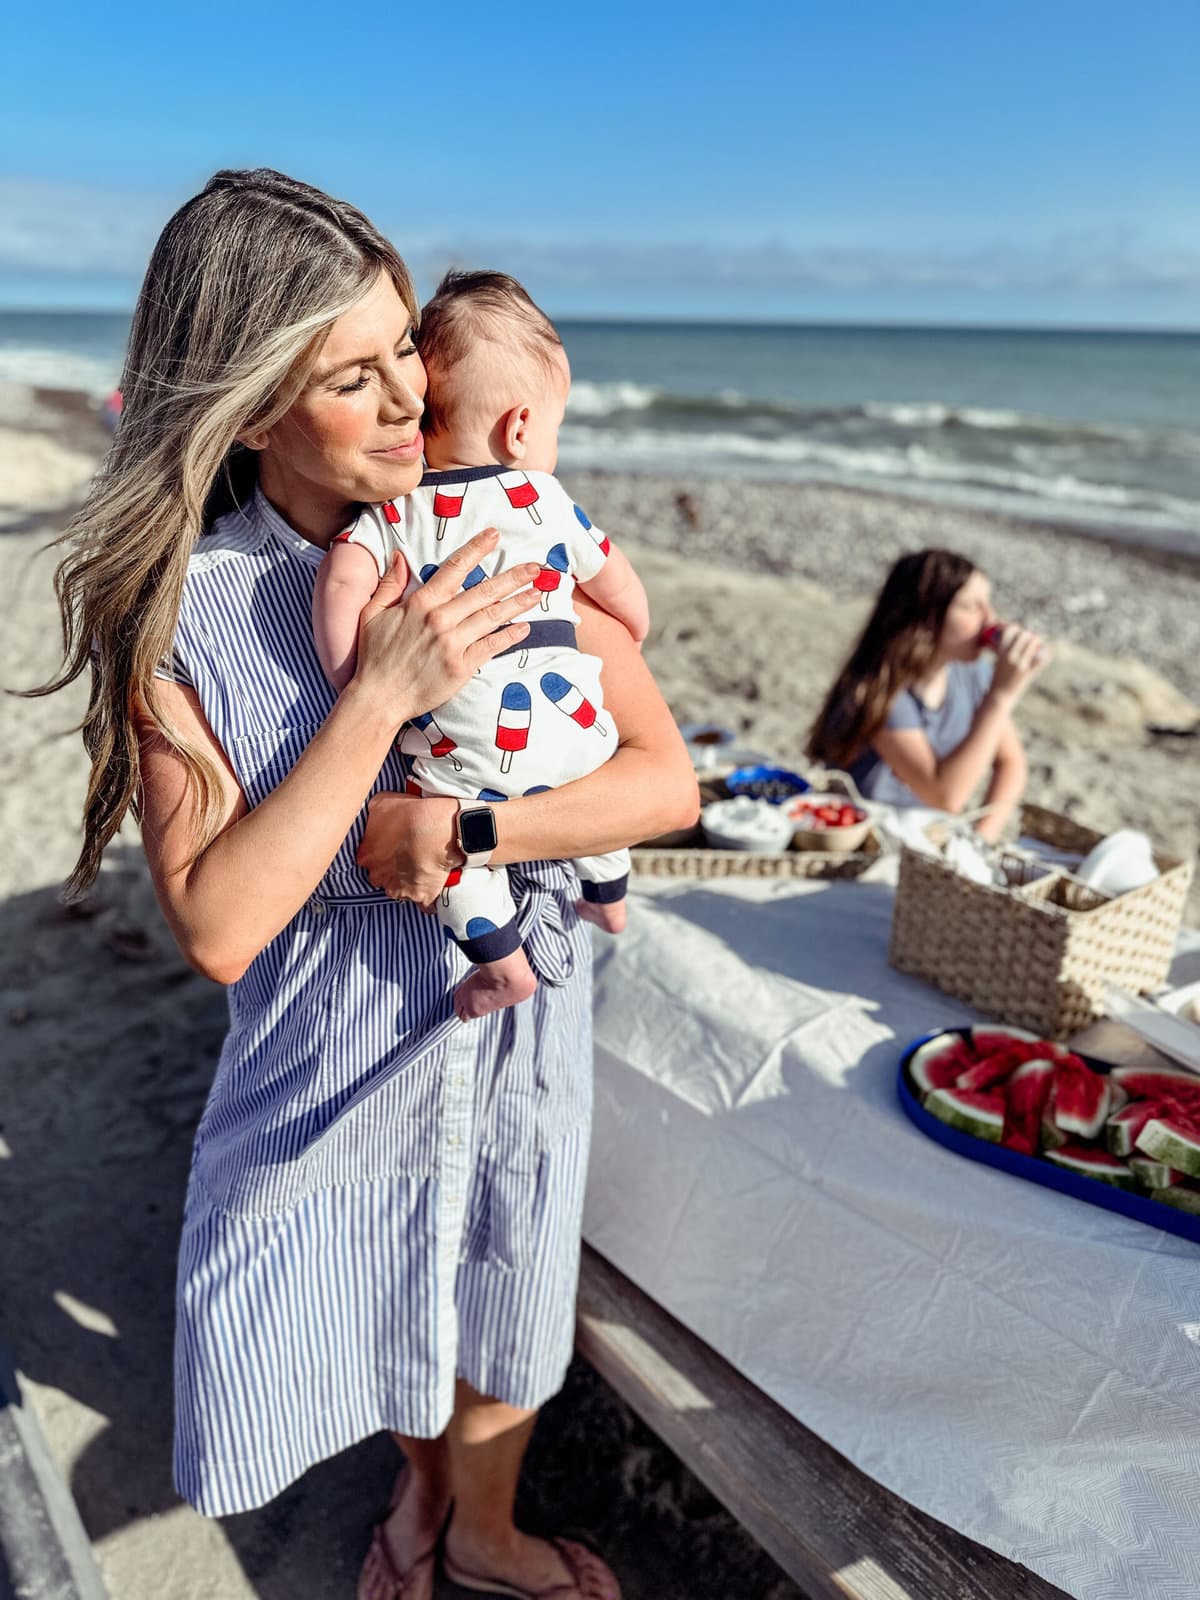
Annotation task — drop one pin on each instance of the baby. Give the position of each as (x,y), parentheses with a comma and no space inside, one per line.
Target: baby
(531,718)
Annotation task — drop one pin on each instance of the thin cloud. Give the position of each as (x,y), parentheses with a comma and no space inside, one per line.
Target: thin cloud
(75,230)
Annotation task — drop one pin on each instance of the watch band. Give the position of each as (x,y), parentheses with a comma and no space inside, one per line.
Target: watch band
(475,858)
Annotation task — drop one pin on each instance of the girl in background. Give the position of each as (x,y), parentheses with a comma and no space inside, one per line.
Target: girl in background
(922,711)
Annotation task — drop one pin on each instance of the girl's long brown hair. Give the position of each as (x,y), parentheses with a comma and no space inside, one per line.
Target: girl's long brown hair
(242,289)
(894,651)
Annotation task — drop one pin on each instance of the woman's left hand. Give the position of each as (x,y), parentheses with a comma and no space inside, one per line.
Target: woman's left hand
(409,847)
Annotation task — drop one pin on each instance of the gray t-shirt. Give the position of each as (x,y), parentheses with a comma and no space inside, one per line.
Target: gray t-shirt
(945,726)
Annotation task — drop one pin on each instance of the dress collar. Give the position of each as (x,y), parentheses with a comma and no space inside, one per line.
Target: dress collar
(273,523)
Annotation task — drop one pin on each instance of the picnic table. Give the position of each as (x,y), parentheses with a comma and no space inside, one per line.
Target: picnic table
(906,1373)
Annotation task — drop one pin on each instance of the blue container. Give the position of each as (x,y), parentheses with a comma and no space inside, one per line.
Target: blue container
(1032,1167)
(775,784)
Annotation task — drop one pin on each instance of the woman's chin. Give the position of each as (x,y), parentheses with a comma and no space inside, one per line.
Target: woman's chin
(390,478)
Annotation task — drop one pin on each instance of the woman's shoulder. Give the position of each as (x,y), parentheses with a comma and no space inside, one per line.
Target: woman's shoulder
(233,538)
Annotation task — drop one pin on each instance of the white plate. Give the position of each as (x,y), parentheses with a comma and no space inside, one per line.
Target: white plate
(1183,1003)
(1166,1032)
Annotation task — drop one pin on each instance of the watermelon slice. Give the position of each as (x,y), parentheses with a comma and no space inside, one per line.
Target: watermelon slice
(1093,1163)
(1159,1083)
(938,1062)
(1184,1196)
(1051,1136)
(990,1041)
(1172,1143)
(1025,1097)
(978,1114)
(1153,1173)
(1122,1128)
(1081,1098)
(993,1069)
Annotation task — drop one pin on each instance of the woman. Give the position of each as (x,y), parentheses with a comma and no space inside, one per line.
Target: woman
(918,716)
(382,1221)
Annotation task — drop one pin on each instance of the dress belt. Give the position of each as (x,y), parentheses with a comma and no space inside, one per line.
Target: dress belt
(540,923)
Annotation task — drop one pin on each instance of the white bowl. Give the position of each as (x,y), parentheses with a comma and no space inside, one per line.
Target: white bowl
(746,824)
(1119,863)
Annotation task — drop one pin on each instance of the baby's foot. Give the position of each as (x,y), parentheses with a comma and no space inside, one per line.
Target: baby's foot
(609,915)
(494,985)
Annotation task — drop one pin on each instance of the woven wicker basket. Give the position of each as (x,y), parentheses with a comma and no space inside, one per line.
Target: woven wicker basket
(1041,955)
(695,861)
(686,854)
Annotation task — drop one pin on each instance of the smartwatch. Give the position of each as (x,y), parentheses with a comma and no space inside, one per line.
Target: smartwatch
(477,836)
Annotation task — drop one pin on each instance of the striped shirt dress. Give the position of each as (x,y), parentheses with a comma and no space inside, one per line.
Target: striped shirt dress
(381,1198)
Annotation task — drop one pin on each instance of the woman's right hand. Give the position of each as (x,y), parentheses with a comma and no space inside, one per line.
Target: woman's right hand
(418,653)
(1020,656)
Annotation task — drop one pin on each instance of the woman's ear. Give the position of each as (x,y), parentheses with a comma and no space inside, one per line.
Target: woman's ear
(515,428)
(255,438)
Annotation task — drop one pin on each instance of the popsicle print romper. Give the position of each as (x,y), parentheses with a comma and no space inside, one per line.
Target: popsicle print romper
(533,717)
(381,1199)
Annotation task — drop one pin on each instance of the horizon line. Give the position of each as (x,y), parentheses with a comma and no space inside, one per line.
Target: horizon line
(649,319)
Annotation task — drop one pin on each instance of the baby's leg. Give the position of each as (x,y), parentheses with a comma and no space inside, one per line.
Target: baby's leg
(478,912)
(604,881)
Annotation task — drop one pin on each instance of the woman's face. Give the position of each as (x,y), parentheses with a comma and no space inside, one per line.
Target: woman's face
(967,615)
(354,432)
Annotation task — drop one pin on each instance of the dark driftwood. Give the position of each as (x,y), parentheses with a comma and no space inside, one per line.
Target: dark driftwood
(835,1531)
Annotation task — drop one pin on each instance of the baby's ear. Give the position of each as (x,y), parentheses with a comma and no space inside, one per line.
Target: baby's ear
(514,426)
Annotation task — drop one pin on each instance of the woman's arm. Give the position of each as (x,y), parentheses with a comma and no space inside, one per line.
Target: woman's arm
(228,903)
(950,782)
(648,787)
(1009,776)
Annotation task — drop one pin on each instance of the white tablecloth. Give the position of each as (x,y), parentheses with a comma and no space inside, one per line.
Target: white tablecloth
(1021,1365)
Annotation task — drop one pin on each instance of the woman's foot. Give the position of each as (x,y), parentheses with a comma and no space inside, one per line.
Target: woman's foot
(494,985)
(401,1561)
(610,916)
(528,1568)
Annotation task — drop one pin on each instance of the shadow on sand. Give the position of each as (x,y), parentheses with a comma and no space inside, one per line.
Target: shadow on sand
(110,1042)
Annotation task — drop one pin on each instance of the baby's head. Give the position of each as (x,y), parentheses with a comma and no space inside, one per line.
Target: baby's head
(498,375)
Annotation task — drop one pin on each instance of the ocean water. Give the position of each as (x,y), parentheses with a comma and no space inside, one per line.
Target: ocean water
(1102,428)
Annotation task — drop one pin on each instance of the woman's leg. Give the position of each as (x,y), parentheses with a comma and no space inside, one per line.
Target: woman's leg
(486,1441)
(416,1518)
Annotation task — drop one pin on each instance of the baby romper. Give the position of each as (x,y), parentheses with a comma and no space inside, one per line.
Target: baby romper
(532,718)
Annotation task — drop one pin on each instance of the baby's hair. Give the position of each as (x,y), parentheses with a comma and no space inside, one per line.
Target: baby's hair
(471,306)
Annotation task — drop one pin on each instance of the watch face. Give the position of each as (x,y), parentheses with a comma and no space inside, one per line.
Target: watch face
(477,831)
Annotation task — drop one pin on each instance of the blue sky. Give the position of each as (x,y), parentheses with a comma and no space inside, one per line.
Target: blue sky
(1029,163)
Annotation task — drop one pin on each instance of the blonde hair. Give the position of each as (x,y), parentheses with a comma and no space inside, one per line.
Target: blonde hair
(243,286)
(468,311)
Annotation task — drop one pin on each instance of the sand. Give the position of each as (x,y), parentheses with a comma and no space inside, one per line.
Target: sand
(109,1039)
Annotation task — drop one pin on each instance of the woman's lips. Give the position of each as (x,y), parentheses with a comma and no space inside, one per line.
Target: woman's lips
(409,451)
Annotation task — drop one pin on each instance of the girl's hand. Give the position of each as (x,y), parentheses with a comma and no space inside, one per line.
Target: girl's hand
(1020,656)
(410,845)
(416,654)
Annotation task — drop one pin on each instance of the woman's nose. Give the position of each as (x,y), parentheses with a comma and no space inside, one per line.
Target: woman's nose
(399,399)
(403,391)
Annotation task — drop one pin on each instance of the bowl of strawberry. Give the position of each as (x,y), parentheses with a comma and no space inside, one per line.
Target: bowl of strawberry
(828,822)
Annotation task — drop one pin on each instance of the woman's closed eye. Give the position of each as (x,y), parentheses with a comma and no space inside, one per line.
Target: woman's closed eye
(403,351)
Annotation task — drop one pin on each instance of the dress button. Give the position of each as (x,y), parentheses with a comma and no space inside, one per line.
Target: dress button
(453,1139)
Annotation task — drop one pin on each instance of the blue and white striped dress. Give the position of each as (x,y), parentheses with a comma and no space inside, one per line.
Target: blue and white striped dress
(381,1198)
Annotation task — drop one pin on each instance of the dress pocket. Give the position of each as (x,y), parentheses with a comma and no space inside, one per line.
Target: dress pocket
(262,760)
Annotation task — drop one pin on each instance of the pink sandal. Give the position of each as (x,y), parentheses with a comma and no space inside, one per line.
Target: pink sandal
(591,1578)
(414,1584)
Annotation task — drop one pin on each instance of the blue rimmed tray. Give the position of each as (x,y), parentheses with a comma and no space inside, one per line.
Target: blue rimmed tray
(1153,1212)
